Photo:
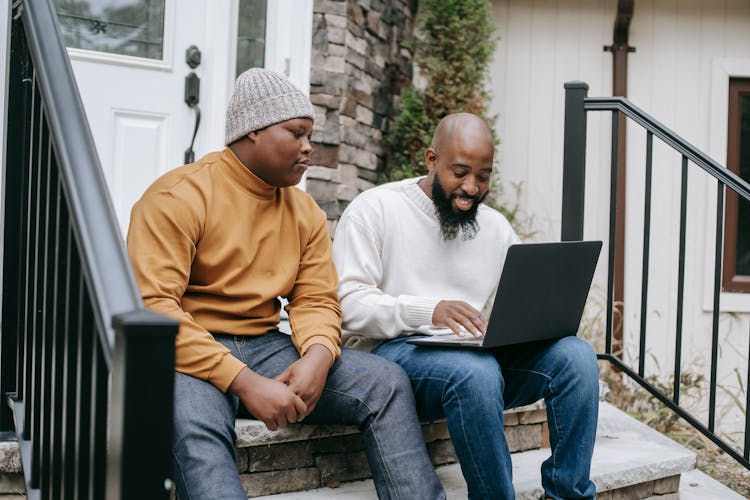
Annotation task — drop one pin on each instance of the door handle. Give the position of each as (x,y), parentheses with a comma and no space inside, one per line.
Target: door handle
(192,96)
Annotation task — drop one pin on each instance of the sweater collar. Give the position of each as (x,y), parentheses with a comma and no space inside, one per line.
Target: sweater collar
(242,175)
(419,197)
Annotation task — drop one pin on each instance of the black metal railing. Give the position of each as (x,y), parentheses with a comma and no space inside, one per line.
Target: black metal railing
(577,104)
(88,370)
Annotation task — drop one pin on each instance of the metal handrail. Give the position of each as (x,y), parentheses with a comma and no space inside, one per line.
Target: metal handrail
(577,103)
(679,144)
(89,371)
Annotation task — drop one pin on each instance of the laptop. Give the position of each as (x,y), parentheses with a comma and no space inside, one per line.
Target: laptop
(542,291)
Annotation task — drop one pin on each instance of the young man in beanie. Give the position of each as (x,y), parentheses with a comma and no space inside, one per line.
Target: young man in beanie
(214,244)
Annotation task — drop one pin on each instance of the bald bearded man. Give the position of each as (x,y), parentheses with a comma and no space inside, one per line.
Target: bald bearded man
(422,254)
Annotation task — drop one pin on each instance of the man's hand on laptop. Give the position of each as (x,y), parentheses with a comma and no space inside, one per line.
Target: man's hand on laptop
(460,317)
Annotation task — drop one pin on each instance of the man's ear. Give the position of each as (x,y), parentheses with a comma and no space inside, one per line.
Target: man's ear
(253,136)
(430,157)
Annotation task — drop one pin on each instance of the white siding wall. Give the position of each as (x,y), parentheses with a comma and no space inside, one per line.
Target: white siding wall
(672,76)
(685,50)
(542,45)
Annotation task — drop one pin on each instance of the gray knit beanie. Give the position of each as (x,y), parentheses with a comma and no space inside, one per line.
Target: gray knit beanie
(262,98)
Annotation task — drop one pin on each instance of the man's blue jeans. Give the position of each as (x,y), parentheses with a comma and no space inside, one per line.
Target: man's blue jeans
(471,388)
(361,389)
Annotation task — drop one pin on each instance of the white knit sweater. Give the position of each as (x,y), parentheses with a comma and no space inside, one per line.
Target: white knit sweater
(394,266)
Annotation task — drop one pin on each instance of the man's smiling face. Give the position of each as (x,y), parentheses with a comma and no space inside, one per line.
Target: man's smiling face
(460,165)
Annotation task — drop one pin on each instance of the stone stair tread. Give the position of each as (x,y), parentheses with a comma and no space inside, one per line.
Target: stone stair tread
(255,433)
(697,485)
(694,485)
(627,453)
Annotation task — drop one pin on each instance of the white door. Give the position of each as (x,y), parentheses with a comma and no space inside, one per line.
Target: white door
(130,62)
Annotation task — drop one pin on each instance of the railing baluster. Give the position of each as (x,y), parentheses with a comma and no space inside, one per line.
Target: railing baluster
(23,237)
(48,323)
(18,104)
(99,429)
(29,314)
(746,447)
(646,249)
(38,329)
(91,408)
(680,282)
(28,282)
(717,296)
(73,334)
(86,346)
(612,229)
(59,293)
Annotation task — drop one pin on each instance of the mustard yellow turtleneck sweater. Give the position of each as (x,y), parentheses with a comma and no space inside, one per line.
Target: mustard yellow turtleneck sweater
(213,246)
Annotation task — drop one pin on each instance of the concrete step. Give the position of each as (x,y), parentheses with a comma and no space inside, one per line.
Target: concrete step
(693,485)
(631,461)
(304,457)
(696,485)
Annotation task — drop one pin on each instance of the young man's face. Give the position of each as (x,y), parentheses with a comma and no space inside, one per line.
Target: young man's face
(459,180)
(281,152)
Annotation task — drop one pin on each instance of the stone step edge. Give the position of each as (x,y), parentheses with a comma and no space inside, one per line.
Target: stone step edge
(630,459)
(255,433)
(653,455)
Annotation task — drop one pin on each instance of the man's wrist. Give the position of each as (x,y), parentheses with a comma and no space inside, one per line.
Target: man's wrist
(241,382)
(320,354)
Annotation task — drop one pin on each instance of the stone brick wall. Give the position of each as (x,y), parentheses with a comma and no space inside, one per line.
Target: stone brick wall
(358,70)
(318,456)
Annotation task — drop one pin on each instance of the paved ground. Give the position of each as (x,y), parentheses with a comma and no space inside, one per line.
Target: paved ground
(694,485)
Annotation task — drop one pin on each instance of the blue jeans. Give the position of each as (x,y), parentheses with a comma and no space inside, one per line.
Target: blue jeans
(471,388)
(361,389)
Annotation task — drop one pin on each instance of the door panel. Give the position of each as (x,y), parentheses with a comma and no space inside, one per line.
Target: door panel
(133,169)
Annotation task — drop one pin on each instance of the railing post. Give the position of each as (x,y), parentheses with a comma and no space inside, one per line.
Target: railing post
(140,441)
(574,161)
(14,160)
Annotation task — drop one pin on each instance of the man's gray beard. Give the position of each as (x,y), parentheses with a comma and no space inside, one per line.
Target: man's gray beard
(454,224)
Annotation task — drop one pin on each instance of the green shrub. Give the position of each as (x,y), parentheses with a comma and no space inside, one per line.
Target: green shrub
(454,43)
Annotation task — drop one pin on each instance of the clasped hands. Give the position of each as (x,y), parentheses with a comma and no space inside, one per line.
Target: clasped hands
(290,396)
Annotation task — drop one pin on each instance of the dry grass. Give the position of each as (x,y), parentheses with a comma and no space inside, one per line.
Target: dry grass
(725,469)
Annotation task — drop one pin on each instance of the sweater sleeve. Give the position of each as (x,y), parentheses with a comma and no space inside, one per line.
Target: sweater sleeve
(367,309)
(314,311)
(162,237)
